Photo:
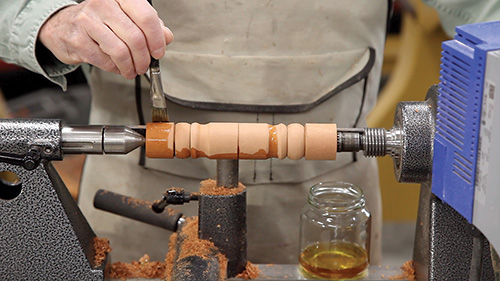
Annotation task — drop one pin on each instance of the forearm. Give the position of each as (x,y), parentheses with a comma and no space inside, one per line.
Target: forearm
(21,21)
(459,12)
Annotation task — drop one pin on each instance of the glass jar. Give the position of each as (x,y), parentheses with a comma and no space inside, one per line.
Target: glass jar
(334,232)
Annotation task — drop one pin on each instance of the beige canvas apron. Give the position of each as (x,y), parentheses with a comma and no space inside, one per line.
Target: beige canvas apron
(272,61)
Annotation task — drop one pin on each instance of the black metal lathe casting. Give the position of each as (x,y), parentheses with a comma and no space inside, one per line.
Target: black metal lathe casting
(221,220)
(446,246)
(43,234)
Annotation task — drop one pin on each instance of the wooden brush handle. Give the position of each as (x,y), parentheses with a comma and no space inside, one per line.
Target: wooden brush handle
(241,141)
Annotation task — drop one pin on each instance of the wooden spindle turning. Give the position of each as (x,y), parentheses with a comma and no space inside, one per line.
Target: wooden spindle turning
(241,141)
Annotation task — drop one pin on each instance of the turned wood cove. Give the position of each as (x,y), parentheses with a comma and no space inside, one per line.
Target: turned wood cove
(313,141)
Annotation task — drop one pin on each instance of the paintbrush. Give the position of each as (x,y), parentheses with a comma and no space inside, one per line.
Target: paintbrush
(159,111)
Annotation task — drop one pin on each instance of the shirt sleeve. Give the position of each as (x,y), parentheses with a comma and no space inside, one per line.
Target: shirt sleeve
(453,13)
(20,23)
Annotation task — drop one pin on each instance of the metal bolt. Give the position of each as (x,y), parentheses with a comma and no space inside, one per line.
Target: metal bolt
(48,150)
(29,164)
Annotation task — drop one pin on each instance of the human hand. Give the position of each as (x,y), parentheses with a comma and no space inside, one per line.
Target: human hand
(118,36)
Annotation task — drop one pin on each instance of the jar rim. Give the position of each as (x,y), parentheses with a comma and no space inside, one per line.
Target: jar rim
(336,196)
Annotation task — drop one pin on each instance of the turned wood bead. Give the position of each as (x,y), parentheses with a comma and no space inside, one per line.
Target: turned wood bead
(278,141)
(253,140)
(320,141)
(296,141)
(182,140)
(214,140)
(160,140)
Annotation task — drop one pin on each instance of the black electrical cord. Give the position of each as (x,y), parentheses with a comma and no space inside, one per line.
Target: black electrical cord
(363,97)
(140,115)
(138,100)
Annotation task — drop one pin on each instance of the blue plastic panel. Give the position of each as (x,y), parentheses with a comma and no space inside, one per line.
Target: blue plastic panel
(458,114)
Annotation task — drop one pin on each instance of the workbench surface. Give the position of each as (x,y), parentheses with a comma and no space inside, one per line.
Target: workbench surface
(290,272)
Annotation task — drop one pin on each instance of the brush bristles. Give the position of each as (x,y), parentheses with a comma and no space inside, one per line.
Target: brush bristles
(159,115)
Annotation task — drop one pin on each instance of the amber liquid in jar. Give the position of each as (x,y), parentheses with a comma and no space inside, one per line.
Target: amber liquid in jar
(334,260)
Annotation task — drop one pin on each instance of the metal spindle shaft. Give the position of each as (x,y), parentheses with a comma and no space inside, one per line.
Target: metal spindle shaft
(227,172)
(373,141)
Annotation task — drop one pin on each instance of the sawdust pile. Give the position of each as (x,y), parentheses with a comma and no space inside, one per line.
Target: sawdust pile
(191,246)
(408,272)
(251,272)
(209,187)
(101,249)
(138,269)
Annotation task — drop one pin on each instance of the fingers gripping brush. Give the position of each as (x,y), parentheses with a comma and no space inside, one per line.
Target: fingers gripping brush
(159,111)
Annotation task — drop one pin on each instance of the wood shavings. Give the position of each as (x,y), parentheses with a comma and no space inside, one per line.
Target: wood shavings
(408,272)
(192,246)
(138,269)
(251,272)
(209,187)
(101,248)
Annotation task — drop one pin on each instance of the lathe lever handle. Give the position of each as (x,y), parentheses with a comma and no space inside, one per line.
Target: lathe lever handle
(136,209)
(29,161)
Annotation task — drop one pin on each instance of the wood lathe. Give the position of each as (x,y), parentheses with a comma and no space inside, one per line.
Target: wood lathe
(446,143)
